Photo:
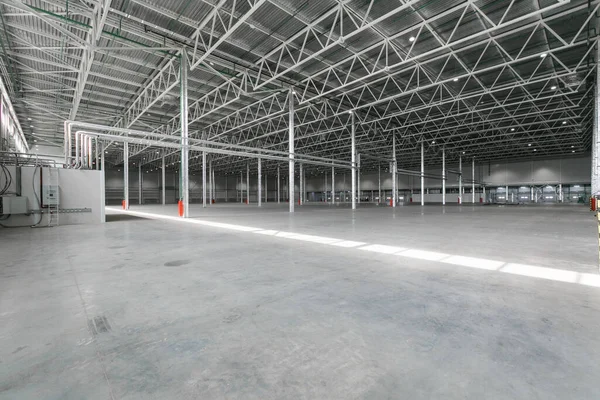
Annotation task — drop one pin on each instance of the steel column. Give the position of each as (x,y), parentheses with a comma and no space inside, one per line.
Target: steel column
(89,160)
(560,193)
(460,180)
(358,181)
(241,187)
(210,183)
(325,187)
(379,184)
(126,174)
(103,155)
(444,176)
(596,129)
(140,185)
(163,186)
(422,173)
(214,186)
(301,186)
(278,186)
(266,188)
(185,193)
(259,192)
(247,183)
(353,149)
(332,185)
(97,158)
(473,184)
(394,170)
(291,151)
(204,179)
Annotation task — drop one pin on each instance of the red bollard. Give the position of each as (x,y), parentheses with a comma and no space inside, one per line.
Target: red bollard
(180,208)
(481,199)
(123,205)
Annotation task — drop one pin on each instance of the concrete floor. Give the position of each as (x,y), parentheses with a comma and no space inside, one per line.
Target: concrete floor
(155,309)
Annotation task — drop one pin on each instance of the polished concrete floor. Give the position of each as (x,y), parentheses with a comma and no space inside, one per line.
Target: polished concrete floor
(161,309)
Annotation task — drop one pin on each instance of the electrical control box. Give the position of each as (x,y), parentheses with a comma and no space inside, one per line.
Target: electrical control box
(14,205)
(49,195)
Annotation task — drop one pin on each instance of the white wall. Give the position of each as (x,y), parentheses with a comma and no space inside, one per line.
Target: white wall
(77,189)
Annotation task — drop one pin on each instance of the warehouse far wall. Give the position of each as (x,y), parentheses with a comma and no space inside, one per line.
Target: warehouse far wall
(565,171)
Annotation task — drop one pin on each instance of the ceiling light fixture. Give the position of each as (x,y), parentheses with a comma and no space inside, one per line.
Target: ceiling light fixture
(564,122)
(455,79)
(529,145)
(411,39)
(543,55)
(512,129)
(553,87)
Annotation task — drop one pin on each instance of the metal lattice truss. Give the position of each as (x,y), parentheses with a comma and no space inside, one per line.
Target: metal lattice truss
(481,78)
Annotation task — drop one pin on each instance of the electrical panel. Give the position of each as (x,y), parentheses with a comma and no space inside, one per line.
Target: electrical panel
(14,205)
(49,195)
(50,188)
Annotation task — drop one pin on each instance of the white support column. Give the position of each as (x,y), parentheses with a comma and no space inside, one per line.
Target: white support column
(291,151)
(126,174)
(422,173)
(266,188)
(77,148)
(507,193)
(460,180)
(163,185)
(247,183)
(483,194)
(103,155)
(444,176)
(473,178)
(379,185)
(210,183)
(325,188)
(214,186)
(332,185)
(560,193)
(204,179)
(90,165)
(140,179)
(531,198)
(241,187)
(353,149)
(596,130)
(358,180)
(185,183)
(259,181)
(97,157)
(301,186)
(278,186)
(394,171)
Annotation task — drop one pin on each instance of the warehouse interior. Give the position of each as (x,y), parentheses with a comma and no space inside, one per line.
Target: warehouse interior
(278,199)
